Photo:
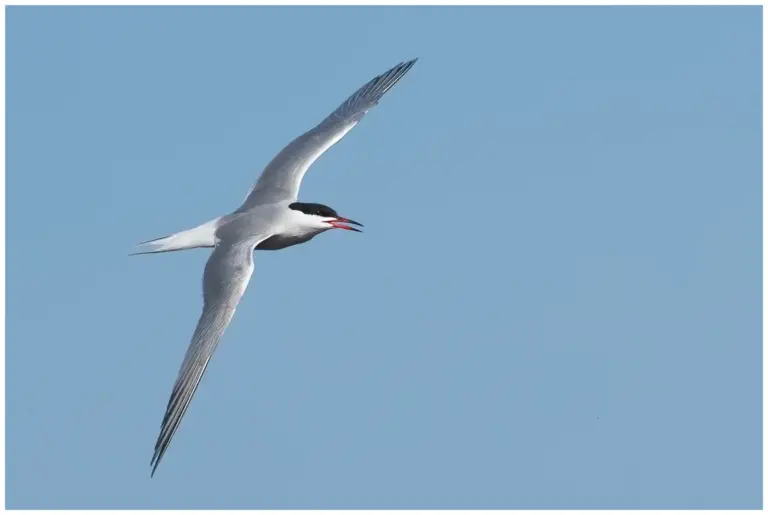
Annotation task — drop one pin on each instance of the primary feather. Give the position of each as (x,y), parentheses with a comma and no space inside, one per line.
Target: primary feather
(225,279)
(282,177)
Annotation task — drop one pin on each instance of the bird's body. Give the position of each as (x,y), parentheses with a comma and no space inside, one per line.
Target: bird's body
(270,218)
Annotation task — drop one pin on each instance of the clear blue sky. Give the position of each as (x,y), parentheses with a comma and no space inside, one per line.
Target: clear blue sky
(556,302)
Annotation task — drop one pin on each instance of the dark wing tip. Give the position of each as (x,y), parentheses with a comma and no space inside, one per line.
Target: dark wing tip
(377,87)
(370,93)
(156,457)
(401,69)
(409,64)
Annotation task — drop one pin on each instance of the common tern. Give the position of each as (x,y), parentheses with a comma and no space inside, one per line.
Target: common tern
(270,218)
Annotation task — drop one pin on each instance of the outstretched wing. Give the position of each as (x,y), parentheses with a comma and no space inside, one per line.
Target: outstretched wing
(282,176)
(226,276)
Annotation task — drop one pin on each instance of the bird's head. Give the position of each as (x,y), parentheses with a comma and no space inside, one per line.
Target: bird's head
(322,217)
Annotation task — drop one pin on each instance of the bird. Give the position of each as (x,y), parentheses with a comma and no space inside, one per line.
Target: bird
(270,218)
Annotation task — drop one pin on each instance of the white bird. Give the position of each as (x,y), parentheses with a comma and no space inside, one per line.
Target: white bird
(270,218)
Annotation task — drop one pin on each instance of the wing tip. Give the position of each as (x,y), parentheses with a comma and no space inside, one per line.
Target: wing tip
(403,67)
(379,86)
(407,65)
(156,457)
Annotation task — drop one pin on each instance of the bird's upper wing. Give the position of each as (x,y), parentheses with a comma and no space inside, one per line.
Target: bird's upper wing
(226,276)
(282,176)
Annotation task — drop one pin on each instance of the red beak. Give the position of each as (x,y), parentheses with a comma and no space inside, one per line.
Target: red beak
(340,221)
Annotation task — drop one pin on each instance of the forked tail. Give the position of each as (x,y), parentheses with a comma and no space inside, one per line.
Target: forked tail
(200,236)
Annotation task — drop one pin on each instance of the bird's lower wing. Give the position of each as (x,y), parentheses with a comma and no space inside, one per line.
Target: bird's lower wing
(225,279)
(282,176)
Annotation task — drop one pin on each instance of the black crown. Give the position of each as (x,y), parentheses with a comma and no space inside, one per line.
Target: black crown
(309,208)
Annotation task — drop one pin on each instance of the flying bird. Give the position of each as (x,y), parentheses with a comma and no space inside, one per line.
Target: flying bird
(270,218)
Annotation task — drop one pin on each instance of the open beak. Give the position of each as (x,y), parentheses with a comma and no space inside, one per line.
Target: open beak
(340,221)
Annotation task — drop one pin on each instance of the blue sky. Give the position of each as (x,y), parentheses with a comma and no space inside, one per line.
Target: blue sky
(556,302)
